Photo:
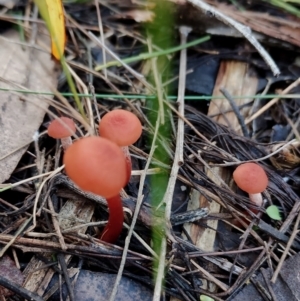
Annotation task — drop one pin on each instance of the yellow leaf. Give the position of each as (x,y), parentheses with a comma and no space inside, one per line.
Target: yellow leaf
(53,14)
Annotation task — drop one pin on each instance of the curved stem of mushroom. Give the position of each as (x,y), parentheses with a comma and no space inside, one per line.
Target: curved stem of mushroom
(256,199)
(66,142)
(115,221)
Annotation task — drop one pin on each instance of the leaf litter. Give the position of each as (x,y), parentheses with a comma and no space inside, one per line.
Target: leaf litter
(63,242)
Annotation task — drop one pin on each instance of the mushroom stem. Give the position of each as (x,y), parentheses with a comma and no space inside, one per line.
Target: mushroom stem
(114,225)
(125,150)
(66,142)
(256,199)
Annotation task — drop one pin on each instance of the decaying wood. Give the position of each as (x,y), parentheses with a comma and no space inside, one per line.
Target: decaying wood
(236,78)
(73,213)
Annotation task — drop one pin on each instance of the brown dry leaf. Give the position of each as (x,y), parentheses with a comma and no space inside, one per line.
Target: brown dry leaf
(22,67)
(9,271)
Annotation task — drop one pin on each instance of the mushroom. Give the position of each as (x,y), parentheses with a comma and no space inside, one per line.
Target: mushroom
(62,128)
(123,128)
(98,165)
(251,178)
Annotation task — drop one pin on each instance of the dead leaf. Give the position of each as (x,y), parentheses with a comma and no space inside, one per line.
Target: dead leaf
(9,271)
(21,68)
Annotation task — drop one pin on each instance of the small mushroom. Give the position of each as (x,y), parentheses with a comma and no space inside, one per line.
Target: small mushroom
(251,178)
(98,165)
(62,128)
(123,128)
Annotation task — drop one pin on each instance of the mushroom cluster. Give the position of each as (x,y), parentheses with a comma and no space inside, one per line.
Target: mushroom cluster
(98,164)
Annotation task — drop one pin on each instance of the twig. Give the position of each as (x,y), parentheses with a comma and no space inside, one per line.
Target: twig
(9,186)
(142,242)
(92,89)
(199,254)
(135,215)
(273,101)
(81,86)
(244,30)
(137,75)
(278,150)
(19,290)
(93,247)
(101,34)
(178,160)
(276,234)
(184,31)
(261,289)
(267,281)
(293,213)
(14,238)
(236,111)
(64,269)
(56,225)
(288,246)
(188,216)
(210,277)
(52,174)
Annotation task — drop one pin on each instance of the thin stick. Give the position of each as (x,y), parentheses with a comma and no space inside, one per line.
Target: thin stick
(258,159)
(56,225)
(211,278)
(101,35)
(267,281)
(137,75)
(63,266)
(236,111)
(142,242)
(53,173)
(135,215)
(244,30)
(7,186)
(19,290)
(184,31)
(92,89)
(178,160)
(273,101)
(288,246)
(13,239)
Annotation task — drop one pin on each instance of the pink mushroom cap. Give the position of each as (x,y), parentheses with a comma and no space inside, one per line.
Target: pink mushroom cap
(251,178)
(121,127)
(96,165)
(58,129)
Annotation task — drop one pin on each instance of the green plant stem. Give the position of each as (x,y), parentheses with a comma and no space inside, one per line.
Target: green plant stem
(145,56)
(143,96)
(286,6)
